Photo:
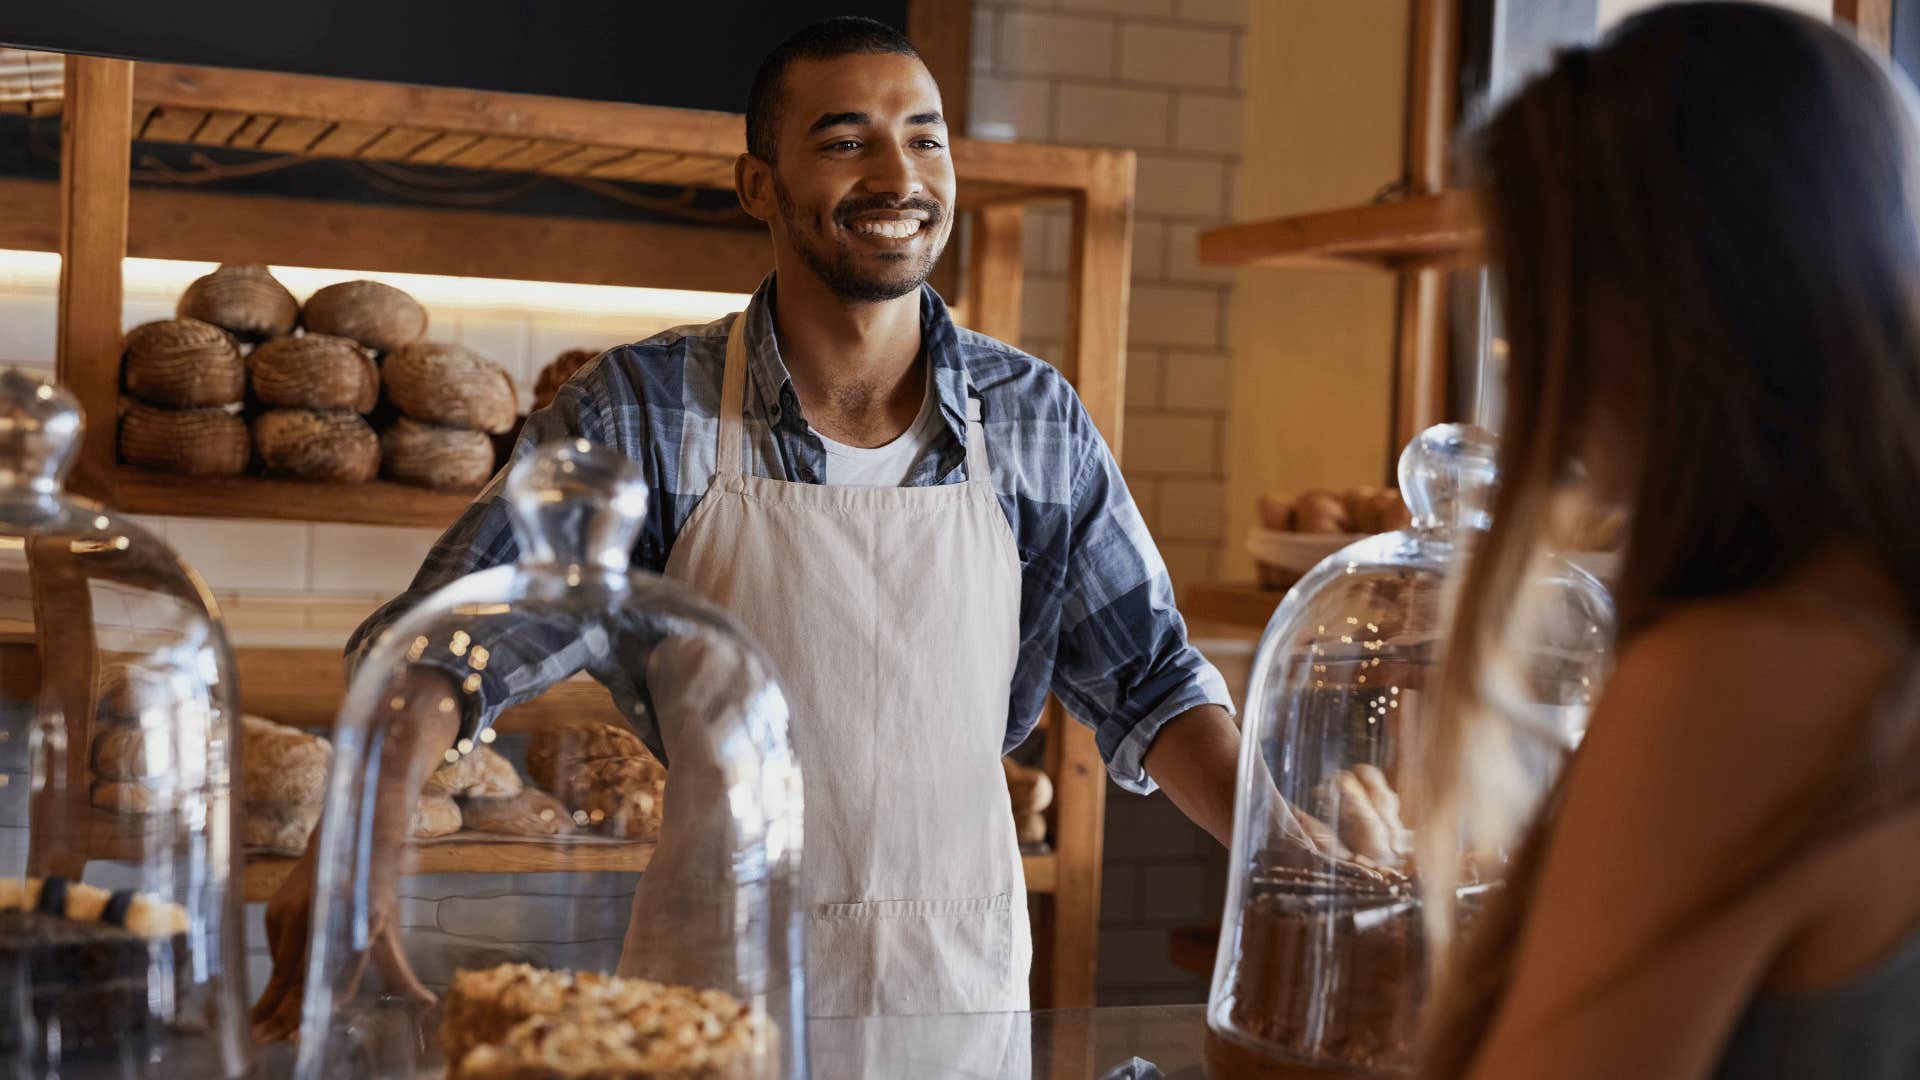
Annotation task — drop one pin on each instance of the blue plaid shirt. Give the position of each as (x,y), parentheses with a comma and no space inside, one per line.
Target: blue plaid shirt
(1097,620)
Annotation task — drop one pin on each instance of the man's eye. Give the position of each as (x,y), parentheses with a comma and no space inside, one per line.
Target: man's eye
(927,144)
(843,144)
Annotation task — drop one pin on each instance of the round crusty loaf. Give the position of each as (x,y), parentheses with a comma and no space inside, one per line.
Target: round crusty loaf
(127,753)
(315,371)
(555,375)
(282,767)
(530,813)
(430,455)
(130,796)
(482,773)
(375,315)
(278,831)
(184,364)
(450,385)
(434,815)
(189,442)
(245,299)
(326,446)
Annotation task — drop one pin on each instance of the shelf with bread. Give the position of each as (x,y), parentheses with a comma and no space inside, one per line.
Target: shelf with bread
(105,105)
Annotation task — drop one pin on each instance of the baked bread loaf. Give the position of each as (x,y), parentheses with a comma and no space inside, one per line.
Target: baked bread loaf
(450,385)
(126,692)
(515,1022)
(323,446)
(1321,512)
(187,442)
(315,371)
(378,316)
(434,815)
(483,773)
(245,299)
(183,364)
(125,753)
(1030,790)
(278,830)
(282,767)
(129,796)
(531,813)
(604,775)
(555,374)
(430,455)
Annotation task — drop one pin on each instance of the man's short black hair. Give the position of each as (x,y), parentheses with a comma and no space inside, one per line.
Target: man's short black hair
(843,35)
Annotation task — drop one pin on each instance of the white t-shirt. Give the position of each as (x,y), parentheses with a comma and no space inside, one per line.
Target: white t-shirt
(883,466)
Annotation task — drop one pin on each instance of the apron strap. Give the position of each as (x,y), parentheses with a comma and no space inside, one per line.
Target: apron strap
(733,398)
(978,470)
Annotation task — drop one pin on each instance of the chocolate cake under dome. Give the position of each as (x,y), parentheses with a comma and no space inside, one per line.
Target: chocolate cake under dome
(120,910)
(1321,970)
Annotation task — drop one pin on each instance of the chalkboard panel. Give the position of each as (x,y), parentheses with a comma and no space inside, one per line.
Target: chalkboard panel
(696,54)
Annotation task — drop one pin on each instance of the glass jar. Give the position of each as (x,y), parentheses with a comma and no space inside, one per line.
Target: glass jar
(120,946)
(698,970)
(1321,967)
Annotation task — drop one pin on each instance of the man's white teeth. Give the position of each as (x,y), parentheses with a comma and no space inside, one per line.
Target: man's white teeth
(897,230)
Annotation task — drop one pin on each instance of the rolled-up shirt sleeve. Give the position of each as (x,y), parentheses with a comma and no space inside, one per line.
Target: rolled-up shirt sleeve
(525,653)
(1124,665)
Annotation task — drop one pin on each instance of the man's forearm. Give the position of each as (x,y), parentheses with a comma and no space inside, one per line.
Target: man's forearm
(1195,759)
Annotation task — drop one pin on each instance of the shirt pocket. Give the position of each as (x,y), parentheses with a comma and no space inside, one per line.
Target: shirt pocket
(910,957)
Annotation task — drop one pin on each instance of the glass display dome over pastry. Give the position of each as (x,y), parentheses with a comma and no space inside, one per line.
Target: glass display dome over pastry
(120,947)
(1321,968)
(700,971)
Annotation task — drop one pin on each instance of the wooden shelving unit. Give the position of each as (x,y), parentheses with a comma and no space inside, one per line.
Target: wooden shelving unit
(1422,232)
(105,104)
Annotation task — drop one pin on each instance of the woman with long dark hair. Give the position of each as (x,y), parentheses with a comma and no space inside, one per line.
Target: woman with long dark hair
(1707,236)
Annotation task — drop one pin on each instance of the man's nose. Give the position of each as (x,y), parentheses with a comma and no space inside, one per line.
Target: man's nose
(892,171)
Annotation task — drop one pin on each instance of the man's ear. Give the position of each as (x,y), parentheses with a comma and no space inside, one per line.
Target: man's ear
(753,183)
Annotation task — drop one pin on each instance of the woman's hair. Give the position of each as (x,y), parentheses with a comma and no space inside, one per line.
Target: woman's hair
(1705,234)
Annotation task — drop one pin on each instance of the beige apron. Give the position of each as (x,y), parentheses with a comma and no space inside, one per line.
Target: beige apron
(892,615)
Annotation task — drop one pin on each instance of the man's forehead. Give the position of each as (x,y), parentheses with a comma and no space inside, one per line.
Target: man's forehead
(885,87)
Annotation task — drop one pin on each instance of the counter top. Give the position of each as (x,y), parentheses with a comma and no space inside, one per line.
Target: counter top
(1058,1044)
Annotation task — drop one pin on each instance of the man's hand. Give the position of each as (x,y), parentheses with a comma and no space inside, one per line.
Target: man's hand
(425,724)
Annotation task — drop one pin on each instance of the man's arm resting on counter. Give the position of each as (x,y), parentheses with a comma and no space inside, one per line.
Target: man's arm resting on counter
(1195,760)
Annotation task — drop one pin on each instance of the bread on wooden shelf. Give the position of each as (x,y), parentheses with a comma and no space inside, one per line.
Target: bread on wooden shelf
(482,772)
(604,775)
(278,831)
(187,442)
(183,364)
(435,456)
(321,446)
(245,299)
(450,385)
(434,815)
(282,766)
(315,371)
(532,812)
(130,796)
(375,315)
(557,372)
(123,752)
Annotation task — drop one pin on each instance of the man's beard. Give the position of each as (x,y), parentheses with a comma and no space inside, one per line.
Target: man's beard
(839,267)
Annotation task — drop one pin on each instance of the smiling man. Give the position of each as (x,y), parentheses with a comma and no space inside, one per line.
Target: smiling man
(919,523)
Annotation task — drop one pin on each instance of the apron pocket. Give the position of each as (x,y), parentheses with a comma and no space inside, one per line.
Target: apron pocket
(895,957)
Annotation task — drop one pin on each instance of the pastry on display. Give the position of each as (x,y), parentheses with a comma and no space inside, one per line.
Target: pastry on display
(532,812)
(314,371)
(378,316)
(481,772)
(79,960)
(283,766)
(452,386)
(183,364)
(244,299)
(1031,792)
(1356,510)
(434,815)
(278,831)
(604,775)
(186,442)
(557,372)
(517,1022)
(319,446)
(435,456)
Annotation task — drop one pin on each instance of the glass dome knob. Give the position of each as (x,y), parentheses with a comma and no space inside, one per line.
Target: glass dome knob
(40,426)
(1447,475)
(577,504)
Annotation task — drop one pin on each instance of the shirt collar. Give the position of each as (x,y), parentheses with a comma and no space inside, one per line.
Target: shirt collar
(938,338)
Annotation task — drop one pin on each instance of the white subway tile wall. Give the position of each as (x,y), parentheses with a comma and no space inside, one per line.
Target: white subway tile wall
(1160,77)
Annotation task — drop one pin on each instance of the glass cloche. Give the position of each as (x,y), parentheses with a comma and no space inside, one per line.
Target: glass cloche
(536,897)
(120,949)
(1321,968)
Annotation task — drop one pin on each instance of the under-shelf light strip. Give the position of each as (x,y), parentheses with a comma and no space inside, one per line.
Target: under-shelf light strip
(41,270)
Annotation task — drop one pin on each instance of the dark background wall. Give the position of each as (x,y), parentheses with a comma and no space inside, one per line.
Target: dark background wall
(697,54)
